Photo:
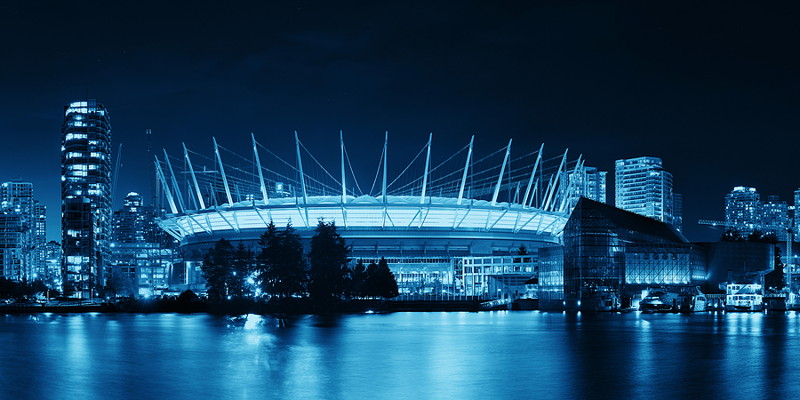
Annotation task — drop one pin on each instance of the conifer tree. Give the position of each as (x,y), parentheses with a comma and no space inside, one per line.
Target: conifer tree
(217,266)
(281,263)
(329,274)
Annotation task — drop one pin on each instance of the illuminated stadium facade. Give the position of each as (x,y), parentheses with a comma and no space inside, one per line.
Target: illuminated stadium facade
(454,228)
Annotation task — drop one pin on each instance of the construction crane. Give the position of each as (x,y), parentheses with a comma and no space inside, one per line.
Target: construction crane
(713,223)
(115,176)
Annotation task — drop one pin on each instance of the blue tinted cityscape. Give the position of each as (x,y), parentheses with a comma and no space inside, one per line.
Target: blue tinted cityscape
(477,201)
(503,229)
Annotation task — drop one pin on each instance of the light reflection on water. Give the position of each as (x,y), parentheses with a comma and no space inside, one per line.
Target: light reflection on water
(401,355)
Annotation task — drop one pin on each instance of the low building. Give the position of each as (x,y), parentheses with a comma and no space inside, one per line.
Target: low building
(738,261)
(614,254)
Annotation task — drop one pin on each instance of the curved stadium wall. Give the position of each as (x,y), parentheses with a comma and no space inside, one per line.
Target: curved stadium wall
(433,243)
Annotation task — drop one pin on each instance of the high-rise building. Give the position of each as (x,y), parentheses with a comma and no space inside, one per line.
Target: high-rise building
(775,217)
(27,231)
(643,186)
(85,196)
(584,182)
(53,257)
(141,253)
(16,195)
(796,214)
(39,257)
(135,223)
(743,210)
(12,247)
(745,213)
(677,211)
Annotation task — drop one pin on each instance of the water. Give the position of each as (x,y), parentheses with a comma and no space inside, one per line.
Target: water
(400,356)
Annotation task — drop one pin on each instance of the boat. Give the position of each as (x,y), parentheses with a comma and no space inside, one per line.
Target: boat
(743,297)
(659,300)
(699,301)
(601,299)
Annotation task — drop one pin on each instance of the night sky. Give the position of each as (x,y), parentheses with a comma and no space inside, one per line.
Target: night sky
(711,89)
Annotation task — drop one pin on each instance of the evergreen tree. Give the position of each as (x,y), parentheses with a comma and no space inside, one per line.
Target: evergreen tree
(242,267)
(329,274)
(217,266)
(387,284)
(358,280)
(282,265)
(371,286)
(380,281)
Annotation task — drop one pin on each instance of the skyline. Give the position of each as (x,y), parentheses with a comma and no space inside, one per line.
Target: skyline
(713,87)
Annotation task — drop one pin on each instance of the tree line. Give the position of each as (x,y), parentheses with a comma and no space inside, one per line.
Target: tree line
(281,269)
(10,289)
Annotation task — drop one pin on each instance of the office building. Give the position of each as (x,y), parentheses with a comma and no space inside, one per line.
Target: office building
(745,214)
(677,211)
(24,231)
(586,182)
(53,261)
(12,246)
(775,218)
(796,214)
(743,210)
(85,196)
(609,255)
(134,222)
(642,186)
(142,254)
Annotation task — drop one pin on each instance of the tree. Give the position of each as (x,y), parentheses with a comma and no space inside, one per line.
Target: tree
(188,296)
(358,280)
(380,280)
(242,267)
(523,251)
(217,266)
(371,281)
(387,282)
(281,263)
(329,274)
(731,235)
(121,284)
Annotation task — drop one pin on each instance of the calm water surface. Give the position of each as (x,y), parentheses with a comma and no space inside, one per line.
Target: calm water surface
(506,355)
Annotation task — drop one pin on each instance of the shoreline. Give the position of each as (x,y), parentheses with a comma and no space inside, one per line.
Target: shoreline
(293,307)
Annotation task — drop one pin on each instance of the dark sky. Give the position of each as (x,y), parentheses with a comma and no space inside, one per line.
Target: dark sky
(711,89)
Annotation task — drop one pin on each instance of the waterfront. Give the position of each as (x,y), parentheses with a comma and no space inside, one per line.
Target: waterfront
(400,355)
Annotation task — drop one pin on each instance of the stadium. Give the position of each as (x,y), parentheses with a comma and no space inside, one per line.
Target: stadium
(464,226)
